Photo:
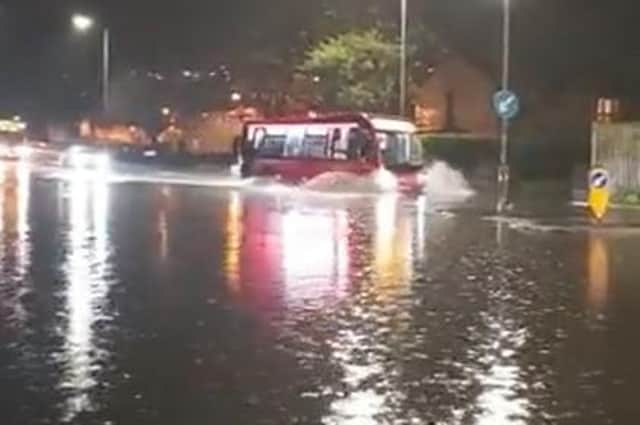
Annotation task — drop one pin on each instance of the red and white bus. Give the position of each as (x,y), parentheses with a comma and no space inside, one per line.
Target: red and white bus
(298,149)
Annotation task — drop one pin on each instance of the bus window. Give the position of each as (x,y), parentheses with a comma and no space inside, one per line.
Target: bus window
(400,148)
(360,145)
(355,144)
(272,145)
(315,145)
(294,143)
(337,151)
(258,135)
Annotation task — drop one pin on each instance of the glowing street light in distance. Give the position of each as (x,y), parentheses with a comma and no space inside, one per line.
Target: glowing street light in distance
(82,23)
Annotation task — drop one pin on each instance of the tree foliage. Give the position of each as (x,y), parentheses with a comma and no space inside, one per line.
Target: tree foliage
(355,70)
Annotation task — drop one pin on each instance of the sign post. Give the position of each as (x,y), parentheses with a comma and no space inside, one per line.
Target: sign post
(599,192)
(507,106)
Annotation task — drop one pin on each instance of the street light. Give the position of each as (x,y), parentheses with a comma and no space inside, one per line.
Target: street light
(503,169)
(403,57)
(83,23)
(236,97)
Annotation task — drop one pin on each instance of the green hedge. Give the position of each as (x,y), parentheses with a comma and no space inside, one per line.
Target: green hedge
(529,159)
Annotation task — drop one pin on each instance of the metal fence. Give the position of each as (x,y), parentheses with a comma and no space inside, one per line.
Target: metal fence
(616,147)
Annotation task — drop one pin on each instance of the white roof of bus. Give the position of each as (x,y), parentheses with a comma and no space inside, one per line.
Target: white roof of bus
(379,122)
(393,124)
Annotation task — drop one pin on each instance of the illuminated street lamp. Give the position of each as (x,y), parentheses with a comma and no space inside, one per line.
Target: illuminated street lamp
(236,97)
(166,111)
(83,23)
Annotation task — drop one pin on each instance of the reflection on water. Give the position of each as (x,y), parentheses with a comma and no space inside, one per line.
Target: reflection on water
(421,227)
(88,284)
(298,253)
(393,247)
(234,232)
(294,255)
(499,401)
(315,254)
(392,255)
(276,255)
(15,197)
(162,222)
(597,273)
(335,311)
(359,406)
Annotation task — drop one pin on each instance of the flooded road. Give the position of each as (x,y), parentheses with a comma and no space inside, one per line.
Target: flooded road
(157,303)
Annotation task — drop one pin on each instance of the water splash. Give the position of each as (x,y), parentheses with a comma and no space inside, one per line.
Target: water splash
(445,184)
(380,181)
(236,170)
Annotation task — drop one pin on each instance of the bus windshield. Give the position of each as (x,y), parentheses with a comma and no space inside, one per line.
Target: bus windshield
(400,149)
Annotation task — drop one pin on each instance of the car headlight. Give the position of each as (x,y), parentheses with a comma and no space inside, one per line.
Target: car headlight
(23,151)
(77,159)
(102,162)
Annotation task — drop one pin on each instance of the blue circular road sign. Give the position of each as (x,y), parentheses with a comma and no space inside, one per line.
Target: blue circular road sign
(507,104)
(599,178)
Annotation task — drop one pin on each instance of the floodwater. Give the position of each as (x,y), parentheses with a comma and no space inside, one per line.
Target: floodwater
(154,303)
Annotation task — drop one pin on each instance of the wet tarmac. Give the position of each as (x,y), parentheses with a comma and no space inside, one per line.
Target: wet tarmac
(158,302)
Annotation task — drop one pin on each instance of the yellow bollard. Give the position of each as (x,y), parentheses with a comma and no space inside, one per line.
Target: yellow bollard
(599,195)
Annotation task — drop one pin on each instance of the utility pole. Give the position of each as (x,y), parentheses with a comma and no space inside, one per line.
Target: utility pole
(403,57)
(106,62)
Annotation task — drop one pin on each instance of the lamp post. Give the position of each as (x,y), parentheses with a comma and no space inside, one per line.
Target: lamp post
(503,168)
(403,57)
(83,23)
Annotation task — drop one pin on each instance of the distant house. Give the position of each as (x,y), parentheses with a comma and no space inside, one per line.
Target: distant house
(456,98)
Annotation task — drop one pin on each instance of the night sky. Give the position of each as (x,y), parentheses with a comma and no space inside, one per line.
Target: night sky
(556,42)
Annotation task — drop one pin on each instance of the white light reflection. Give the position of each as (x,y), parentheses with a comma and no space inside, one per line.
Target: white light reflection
(499,402)
(86,270)
(315,253)
(163,231)
(392,254)
(4,303)
(163,222)
(421,227)
(360,407)
(2,206)
(23,241)
(15,193)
